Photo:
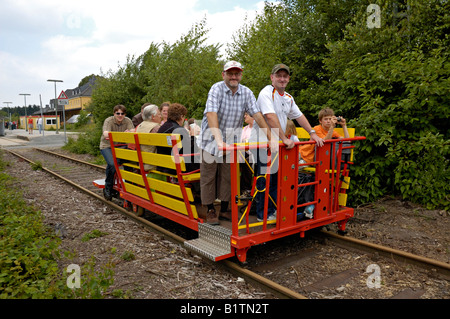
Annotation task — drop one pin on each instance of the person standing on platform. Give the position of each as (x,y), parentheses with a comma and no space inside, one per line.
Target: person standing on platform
(30,125)
(222,123)
(39,124)
(277,106)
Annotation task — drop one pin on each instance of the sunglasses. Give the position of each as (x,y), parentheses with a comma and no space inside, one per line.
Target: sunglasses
(118,113)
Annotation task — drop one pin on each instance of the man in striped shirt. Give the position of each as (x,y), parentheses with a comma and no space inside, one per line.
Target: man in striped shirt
(222,123)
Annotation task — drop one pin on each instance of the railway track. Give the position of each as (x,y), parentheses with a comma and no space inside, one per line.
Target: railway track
(331,266)
(327,266)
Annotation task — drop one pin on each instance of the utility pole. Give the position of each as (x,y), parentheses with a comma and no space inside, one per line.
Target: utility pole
(26,121)
(56,104)
(9,111)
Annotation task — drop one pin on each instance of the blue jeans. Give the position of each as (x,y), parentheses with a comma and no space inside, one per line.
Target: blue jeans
(110,169)
(262,169)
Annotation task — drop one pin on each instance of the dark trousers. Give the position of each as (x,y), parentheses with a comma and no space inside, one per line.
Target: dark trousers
(110,169)
(261,170)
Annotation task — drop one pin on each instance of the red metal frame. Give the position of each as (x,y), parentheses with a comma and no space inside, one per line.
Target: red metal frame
(188,221)
(327,188)
(326,210)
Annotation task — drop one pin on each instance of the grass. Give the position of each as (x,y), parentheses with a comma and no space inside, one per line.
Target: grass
(30,253)
(93,234)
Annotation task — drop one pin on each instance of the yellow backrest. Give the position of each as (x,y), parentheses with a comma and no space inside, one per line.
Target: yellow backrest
(301,133)
(122,137)
(163,193)
(122,152)
(161,140)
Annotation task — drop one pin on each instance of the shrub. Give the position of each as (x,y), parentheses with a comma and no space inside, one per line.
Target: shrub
(28,250)
(29,253)
(86,143)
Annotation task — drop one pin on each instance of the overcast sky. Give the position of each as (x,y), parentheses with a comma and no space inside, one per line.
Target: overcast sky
(70,39)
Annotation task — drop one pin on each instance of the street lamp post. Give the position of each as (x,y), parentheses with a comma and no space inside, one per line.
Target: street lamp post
(25,98)
(56,104)
(9,111)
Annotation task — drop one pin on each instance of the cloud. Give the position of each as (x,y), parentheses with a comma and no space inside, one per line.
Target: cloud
(70,39)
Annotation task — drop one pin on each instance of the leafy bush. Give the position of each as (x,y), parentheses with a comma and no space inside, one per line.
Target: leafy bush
(396,94)
(28,251)
(83,119)
(87,142)
(29,254)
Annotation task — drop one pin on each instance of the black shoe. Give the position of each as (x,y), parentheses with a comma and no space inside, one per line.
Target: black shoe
(212,217)
(107,194)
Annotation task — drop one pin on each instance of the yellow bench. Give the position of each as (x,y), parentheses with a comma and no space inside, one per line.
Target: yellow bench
(176,197)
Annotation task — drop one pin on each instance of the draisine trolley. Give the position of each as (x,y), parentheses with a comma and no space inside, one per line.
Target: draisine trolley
(174,196)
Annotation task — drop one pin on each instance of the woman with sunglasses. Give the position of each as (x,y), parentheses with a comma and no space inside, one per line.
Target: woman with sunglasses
(116,123)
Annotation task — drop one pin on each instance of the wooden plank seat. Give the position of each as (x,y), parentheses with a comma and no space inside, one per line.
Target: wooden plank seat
(145,183)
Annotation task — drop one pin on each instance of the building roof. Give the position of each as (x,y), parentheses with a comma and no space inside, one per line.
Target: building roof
(84,90)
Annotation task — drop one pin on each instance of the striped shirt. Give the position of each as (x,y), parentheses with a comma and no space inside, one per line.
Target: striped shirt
(230,111)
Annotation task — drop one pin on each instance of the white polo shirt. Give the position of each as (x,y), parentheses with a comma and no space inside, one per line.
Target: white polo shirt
(270,101)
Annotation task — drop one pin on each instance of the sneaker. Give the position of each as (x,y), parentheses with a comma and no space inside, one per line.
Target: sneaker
(309,211)
(269,218)
(309,215)
(212,217)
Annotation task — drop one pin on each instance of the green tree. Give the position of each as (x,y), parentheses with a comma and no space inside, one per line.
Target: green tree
(125,86)
(183,72)
(86,79)
(393,82)
(294,32)
(259,45)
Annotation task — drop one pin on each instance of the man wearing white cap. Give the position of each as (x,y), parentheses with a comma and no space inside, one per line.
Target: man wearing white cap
(222,122)
(277,106)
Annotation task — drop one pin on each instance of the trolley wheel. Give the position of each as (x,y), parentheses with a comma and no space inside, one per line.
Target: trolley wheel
(241,255)
(341,227)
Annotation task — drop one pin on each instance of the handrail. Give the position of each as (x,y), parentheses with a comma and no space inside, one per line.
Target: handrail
(334,191)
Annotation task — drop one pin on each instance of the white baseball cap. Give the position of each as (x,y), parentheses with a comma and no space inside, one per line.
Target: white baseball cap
(232,65)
